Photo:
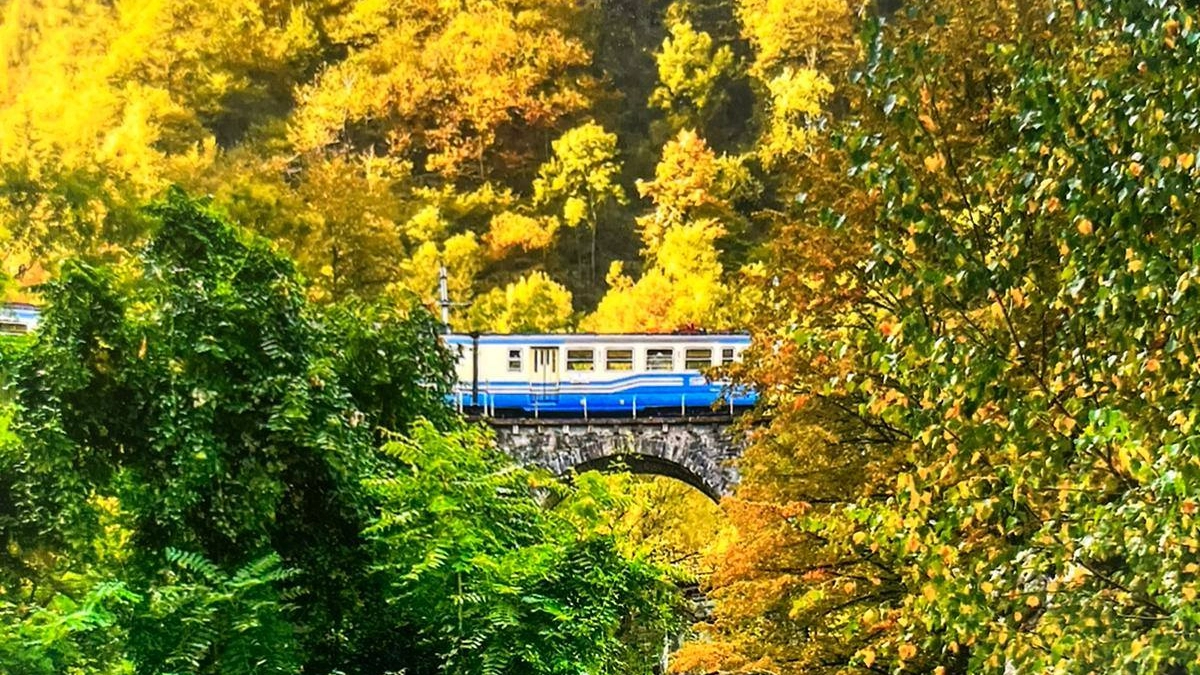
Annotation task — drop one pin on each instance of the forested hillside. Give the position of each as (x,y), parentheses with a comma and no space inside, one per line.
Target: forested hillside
(597,163)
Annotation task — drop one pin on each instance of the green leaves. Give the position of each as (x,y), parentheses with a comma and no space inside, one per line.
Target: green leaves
(1033,360)
(193,483)
(492,581)
(197,617)
(985,311)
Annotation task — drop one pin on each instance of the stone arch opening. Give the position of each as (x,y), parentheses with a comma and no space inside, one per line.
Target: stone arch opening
(649,465)
(695,451)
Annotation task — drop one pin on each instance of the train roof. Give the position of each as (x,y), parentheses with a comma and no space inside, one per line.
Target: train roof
(19,309)
(591,338)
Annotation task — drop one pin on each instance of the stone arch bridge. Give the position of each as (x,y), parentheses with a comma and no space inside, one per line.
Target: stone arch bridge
(697,450)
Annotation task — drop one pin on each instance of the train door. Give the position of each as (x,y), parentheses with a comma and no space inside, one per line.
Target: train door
(545,378)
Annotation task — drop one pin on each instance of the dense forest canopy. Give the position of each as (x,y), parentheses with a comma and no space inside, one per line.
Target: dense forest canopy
(962,234)
(203,472)
(549,154)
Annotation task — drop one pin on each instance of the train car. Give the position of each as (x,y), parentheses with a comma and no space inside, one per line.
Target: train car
(592,374)
(18,318)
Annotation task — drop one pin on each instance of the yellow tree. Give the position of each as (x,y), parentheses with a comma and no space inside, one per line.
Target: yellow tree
(682,283)
(680,289)
(580,179)
(692,73)
(532,304)
(104,104)
(798,46)
(509,232)
(443,84)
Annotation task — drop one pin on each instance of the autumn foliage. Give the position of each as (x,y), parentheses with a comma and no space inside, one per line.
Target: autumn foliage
(962,235)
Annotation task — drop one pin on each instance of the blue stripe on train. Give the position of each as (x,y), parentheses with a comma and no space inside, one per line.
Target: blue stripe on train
(549,399)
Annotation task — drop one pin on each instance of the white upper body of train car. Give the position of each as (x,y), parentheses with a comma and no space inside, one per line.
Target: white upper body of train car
(18,318)
(595,373)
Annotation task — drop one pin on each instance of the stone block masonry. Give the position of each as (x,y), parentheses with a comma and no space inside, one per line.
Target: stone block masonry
(696,450)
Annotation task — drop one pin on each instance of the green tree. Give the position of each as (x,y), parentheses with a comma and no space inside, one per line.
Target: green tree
(1001,352)
(190,452)
(531,596)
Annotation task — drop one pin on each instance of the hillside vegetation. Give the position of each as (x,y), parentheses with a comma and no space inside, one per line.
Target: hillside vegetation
(962,234)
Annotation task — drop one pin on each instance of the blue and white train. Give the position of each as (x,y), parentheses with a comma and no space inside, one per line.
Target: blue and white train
(592,374)
(568,375)
(18,318)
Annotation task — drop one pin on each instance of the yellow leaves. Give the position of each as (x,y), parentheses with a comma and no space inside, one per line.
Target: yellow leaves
(868,657)
(510,231)
(533,303)
(1032,601)
(1186,160)
(784,32)
(426,225)
(797,99)
(1084,226)
(685,181)
(935,163)
(574,212)
(444,83)
(705,657)
(1064,424)
(907,651)
(912,543)
(689,71)
(1188,592)
(1135,169)
(1018,298)
(583,172)
(681,287)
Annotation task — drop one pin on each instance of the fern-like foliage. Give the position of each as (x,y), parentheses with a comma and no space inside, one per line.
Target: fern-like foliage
(200,620)
(494,583)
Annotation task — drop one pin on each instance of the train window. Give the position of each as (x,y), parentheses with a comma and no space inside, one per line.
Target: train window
(727,356)
(581,359)
(697,359)
(618,359)
(514,360)
(660,359)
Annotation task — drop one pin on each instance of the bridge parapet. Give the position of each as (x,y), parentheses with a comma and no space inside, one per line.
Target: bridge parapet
(697,450)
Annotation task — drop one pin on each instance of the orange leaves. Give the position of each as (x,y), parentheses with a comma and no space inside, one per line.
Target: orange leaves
(704,656)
